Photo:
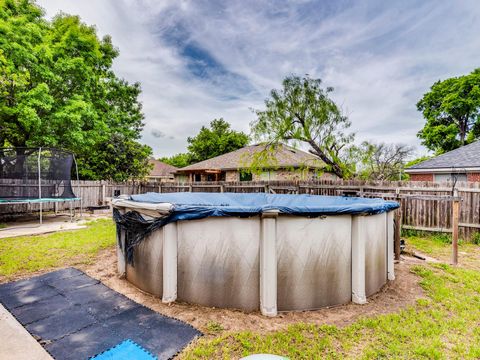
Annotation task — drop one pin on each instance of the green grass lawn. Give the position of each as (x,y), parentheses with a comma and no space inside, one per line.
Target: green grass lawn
(439,246)
(445,324)
(25,254)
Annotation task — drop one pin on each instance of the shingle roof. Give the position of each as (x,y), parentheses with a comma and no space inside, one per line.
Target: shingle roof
(161,169)
(285,156)
(467,156)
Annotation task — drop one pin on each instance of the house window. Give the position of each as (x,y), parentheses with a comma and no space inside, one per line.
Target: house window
(245,176)
(268,175)
(220,176)
(197,177)
(450,178)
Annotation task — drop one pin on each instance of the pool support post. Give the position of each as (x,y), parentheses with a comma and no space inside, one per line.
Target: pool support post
(358,260)
(390,246)
(268,263)
(170,239)
(121,250)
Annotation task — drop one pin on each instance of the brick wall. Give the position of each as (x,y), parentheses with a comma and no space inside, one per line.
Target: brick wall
(473,177)
(421,177)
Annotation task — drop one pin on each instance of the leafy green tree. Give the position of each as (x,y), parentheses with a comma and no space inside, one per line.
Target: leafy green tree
(57,89)
(302,111)
(121,159)
(452,112)
(178,160)
(214,141)
(218,139)
(417,161)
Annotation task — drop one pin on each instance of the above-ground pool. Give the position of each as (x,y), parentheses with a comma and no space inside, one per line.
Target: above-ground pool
(255,251)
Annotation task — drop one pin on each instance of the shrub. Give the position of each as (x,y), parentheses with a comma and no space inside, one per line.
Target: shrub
(476,238)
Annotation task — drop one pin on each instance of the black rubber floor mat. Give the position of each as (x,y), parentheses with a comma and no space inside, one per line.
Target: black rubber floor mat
(76,317)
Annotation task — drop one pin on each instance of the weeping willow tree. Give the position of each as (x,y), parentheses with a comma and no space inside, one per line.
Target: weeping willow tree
(303,112)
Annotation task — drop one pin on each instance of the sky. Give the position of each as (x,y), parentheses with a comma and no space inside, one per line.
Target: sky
(201,60)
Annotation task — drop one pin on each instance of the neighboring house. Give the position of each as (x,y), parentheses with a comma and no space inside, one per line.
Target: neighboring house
(285,163)
(161,172)
(462,164)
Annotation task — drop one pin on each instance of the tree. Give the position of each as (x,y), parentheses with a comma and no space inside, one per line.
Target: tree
(217,140)
(417,161)
(452,112)
(178,160)
(57,89)
(119,159)
(382,161)
(214,141)
(303,112)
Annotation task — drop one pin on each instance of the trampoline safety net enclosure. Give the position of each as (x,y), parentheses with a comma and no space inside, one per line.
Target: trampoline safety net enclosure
(36,174)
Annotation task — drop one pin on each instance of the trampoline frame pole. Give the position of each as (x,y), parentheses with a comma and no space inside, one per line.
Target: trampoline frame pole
(40,184)
(79,188)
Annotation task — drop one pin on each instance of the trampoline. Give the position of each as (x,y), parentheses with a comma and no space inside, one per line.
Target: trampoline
(37,176)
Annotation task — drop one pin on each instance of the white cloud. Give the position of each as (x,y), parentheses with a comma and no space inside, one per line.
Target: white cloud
(380,57)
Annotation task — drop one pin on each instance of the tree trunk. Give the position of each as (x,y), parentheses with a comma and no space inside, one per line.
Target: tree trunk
(19,162)
(337,170)
(463,130)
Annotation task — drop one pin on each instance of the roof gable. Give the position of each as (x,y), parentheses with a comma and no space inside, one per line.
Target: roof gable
(285,156)
(161,169)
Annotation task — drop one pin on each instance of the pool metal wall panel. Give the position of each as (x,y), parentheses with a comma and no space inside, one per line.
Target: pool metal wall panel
(314,262)
(218,262)
(375,252)
(147,273)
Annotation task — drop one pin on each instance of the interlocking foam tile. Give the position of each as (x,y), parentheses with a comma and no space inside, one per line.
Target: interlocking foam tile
(77,317)
(126,350)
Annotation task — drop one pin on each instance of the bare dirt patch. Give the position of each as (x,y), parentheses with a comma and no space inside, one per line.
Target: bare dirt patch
(394,296)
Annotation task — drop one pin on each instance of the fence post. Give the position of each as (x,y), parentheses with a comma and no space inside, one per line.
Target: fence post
(104,193)
(455,217)
(397,226)
(55,204)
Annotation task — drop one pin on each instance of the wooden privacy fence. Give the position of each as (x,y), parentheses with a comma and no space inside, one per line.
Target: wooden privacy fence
(424,205)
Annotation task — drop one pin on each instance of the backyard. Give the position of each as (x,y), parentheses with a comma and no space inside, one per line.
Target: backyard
(432,310)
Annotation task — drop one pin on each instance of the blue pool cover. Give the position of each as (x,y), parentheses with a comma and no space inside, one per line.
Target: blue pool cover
(188,206)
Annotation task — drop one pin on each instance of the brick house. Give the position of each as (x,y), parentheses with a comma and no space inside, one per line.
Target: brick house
(462,164)
(286,163)
(161,172)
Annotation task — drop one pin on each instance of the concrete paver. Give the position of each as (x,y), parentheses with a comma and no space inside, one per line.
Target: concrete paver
(16,342)
(50,224)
